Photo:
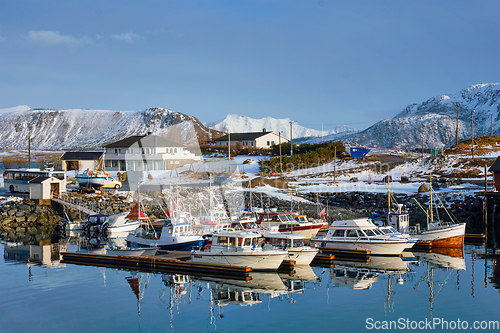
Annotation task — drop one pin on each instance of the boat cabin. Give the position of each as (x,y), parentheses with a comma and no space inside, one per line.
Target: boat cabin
(355,228)
(301,218)
(399,219)
(285,240)
(234,241)
(273,218)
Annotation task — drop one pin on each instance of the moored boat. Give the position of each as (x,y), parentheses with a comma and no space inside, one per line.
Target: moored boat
(294,244)
(240,248)
(362,234)
(175,234)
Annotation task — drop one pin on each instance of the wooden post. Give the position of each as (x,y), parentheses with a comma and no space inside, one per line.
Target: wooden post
(335,165)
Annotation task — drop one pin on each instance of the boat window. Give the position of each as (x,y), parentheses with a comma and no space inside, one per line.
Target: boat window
(232,241)
(170,230)
(377,232)
(222,240)
(339,233)
(352,233)
(369,232)
(247,242)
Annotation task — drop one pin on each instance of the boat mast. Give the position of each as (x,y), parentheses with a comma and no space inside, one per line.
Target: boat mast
(430,180)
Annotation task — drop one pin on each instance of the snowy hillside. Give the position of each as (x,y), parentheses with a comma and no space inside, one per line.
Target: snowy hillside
(434,121)
(239,124)
(90,129)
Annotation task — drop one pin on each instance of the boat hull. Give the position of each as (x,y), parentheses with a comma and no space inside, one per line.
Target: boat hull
(94,182)
(302,256)
(309,231)
(449,236)
(186,245)
(132,252)
(375,247)
(255,260)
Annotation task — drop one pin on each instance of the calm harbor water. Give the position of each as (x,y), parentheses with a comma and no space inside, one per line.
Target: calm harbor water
(38,293)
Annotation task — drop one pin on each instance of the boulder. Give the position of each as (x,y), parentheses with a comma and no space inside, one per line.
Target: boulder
(423,188)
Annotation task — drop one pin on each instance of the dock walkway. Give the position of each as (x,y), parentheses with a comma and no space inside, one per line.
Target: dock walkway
(75,205)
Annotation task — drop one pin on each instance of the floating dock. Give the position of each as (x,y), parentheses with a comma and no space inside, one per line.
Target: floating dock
(346,254)
(323,260)
(475,239)
(169,263)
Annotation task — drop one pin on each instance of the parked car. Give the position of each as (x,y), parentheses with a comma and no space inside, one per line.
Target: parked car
(112,183)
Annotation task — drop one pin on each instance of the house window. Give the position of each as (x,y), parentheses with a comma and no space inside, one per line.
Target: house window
(118,151)
(268,143)
(175,150)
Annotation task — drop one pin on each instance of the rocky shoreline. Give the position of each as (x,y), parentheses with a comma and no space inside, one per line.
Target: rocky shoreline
(27,221)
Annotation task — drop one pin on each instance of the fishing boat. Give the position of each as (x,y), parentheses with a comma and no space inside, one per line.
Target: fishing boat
(362,234)
(175,234)
(302,226)
(240,248)
(436,232)
(293,243)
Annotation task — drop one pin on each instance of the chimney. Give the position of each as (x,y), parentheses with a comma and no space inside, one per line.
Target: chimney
(263,130)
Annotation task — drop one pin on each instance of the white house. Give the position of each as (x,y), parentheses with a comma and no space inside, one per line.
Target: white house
(142,153)
(252,139)
(82,160)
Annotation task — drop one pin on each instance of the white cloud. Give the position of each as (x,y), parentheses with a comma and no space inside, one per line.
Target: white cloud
(55,38)
(128,37)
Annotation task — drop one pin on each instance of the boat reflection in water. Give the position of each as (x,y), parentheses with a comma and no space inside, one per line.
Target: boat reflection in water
(440,260)
(444,258)
(361,275)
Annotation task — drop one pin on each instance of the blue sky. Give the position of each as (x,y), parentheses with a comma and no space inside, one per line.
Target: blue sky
(316,62)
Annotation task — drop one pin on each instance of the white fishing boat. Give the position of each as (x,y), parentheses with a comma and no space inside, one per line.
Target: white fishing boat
(286,222)
(362,234)
(436,232)
(125,222)
(240,248)
(175,234)
(293,243)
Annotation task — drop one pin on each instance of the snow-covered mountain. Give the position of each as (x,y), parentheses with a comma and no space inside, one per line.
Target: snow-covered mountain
(90,129)
(435,121)
(240,124)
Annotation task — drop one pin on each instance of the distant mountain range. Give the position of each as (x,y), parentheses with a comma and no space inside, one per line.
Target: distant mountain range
(91,129)
(435,121)
(432,122)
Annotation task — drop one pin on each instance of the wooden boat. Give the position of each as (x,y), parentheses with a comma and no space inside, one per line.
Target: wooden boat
(240,248)
(362,234)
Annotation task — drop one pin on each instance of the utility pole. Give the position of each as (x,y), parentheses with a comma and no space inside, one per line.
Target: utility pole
(472,131)
(291,139)
(491,115)
(29,151)
(335,165)
(457,126)
(281,166)
(229,145)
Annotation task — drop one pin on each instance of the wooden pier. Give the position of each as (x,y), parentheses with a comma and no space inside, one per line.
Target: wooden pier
(159,263)
(346,254)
